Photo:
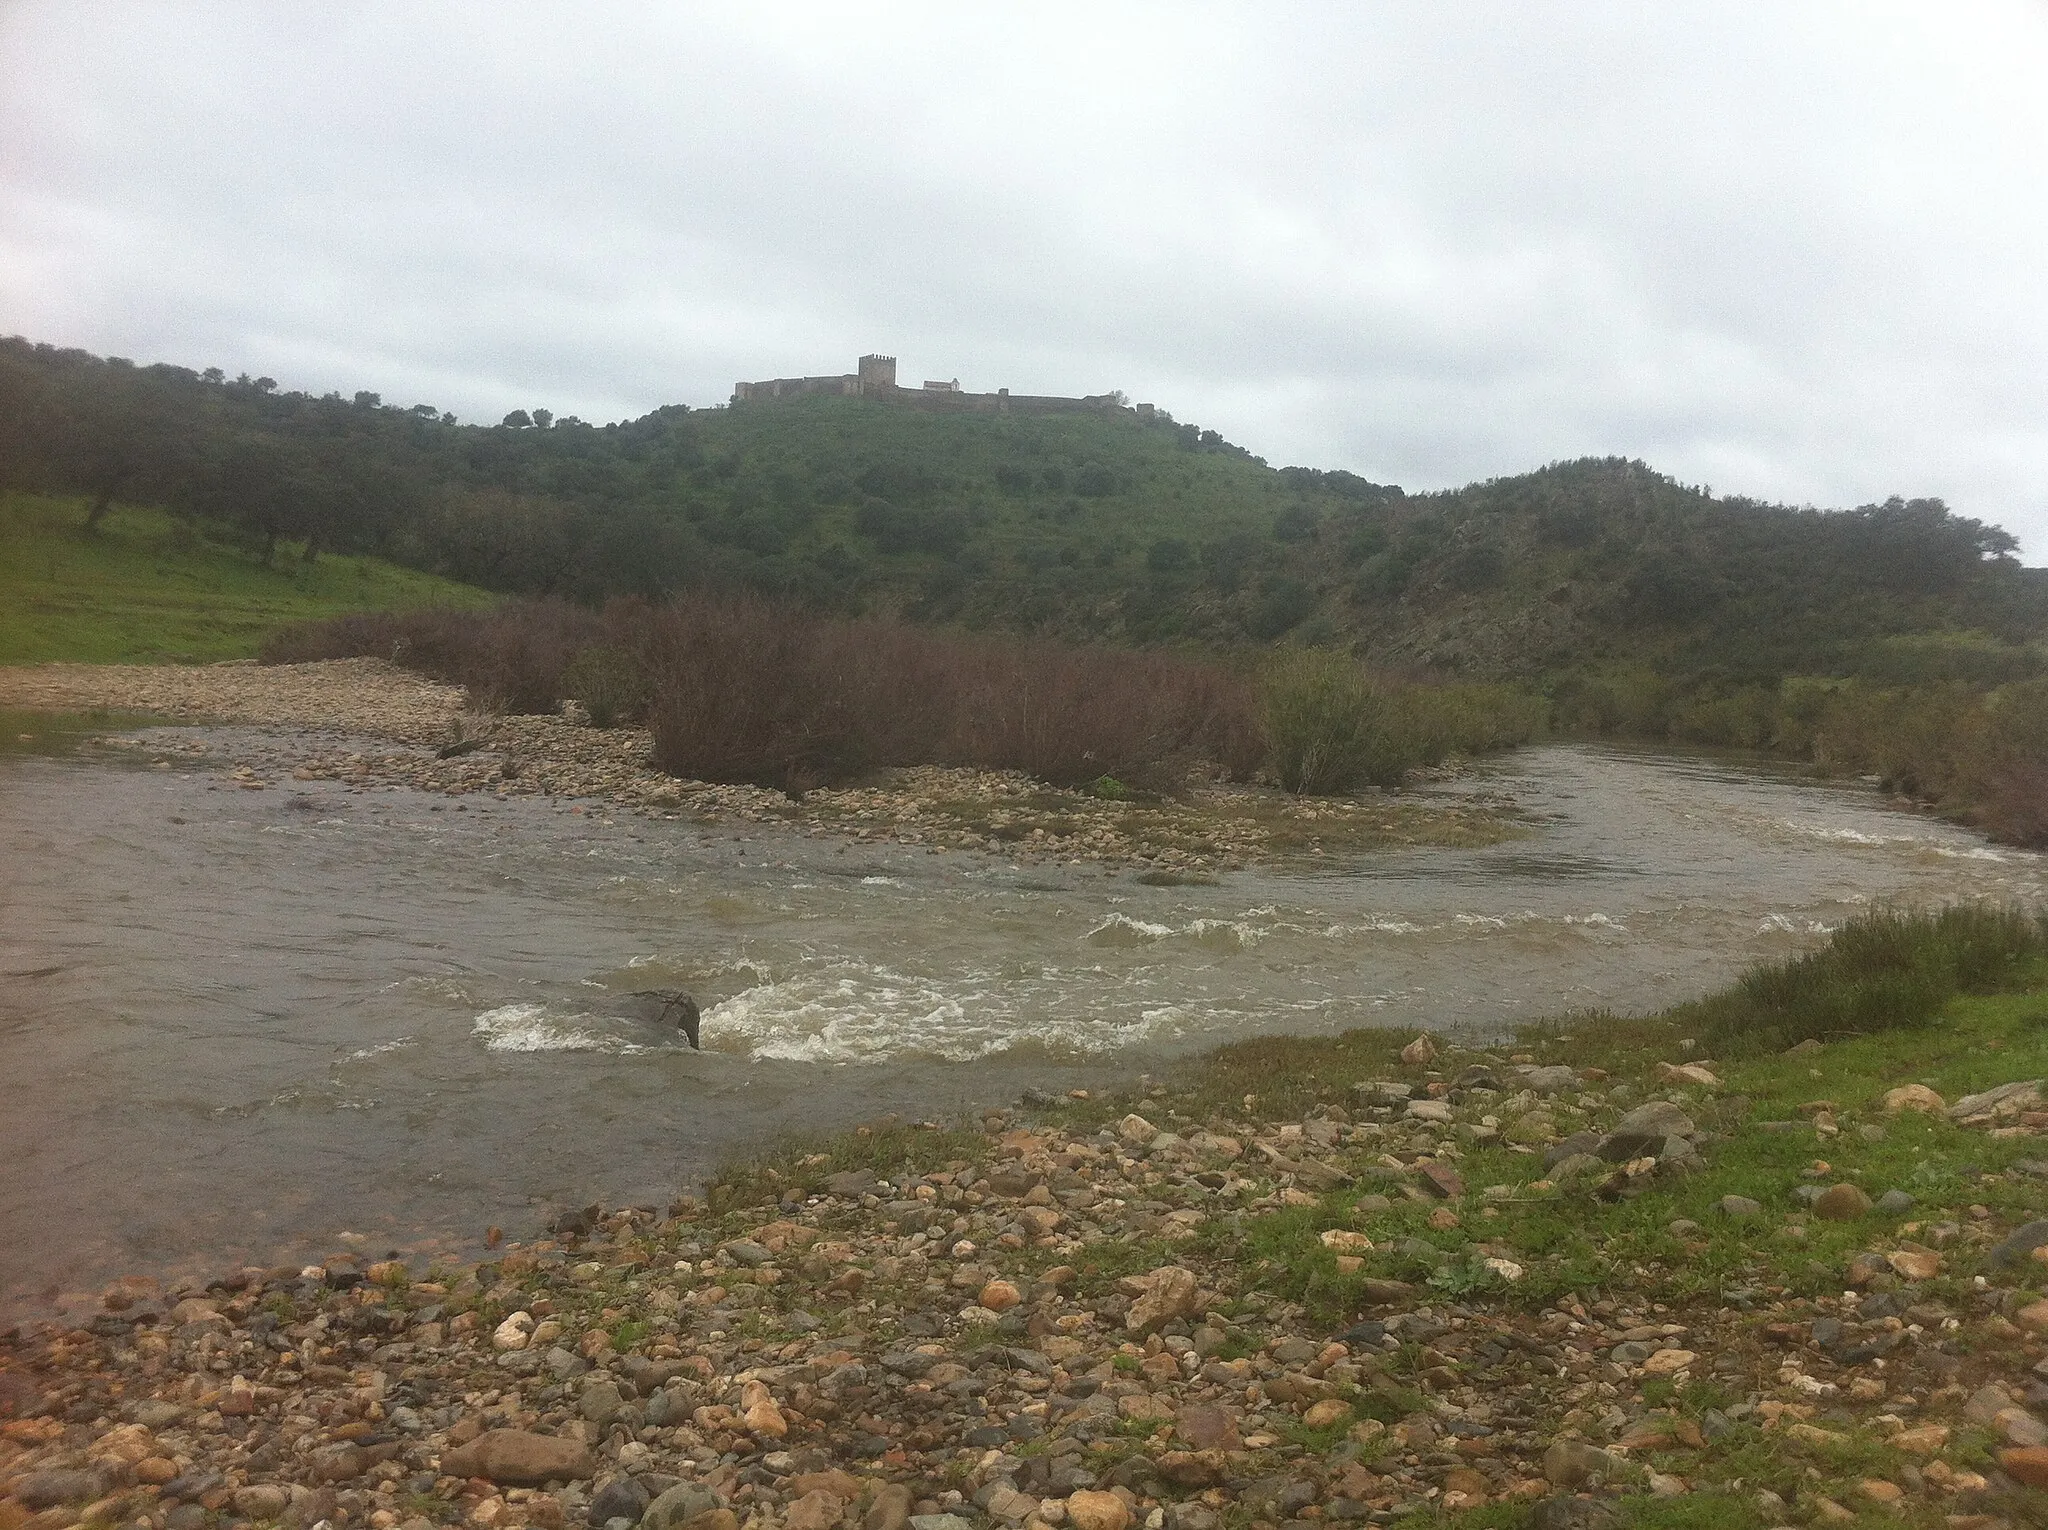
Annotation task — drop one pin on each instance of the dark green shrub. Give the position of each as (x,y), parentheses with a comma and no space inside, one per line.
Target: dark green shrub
(1324,722)
(1094,480)
(612,685)
(1885,970)
(1284,603)
(1167,555)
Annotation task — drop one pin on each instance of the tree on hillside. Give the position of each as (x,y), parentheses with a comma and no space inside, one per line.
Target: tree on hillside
(115,432)
(256,485)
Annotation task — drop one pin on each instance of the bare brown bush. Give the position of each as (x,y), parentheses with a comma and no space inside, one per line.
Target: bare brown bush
(2014,804)
(512,657)
(750,690)
(744,689)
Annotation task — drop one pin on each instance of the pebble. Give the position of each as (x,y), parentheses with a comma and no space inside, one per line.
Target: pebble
(47,1489)
(2022,1241)
(1573,1463)
(624,1497)
(677,1506)
(600,1402)
(263,1500)
(1841,1203)
(1915,1264)
(1915,1097)
(2027,1464)
(519,1458)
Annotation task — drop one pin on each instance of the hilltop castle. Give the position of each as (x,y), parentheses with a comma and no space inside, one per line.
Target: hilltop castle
(876,378)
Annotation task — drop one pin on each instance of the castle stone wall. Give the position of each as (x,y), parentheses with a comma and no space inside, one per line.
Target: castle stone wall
(794,387)
(876,378)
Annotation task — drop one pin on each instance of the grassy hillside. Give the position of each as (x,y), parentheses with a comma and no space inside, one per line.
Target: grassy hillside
(148,588)
(1100,525)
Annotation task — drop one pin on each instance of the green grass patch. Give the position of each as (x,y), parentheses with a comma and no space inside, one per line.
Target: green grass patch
(1883,971)
(1570,1241)
(148,588)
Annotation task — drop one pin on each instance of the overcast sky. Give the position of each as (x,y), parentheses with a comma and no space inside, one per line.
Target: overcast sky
(1797,251)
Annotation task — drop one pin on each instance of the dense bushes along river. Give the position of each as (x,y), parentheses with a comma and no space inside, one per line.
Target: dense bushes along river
(1978,751)
(747,690)
(740,689)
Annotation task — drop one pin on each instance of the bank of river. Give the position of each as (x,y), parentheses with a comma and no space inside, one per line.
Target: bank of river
(1475,1288)
(366,723)
(240,1023)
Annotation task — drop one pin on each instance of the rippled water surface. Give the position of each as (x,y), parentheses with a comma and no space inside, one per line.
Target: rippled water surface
(235,1024)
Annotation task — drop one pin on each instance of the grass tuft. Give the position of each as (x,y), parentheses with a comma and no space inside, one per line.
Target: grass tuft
(1885,970)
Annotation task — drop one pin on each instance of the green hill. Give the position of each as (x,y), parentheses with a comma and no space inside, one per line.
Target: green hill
(1105,527)
(147,588)
(1099,524)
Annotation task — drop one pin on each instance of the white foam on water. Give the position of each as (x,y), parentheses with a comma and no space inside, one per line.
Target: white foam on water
(1837,833)
(726,972)
(363,1053)
(1123,930)
(852,1012)
(1224,934)
(1956,849)
(1215,934)
(1785,924)
(880,882)
(447,989)
(530,1028)
(1970,853)
(1528,917)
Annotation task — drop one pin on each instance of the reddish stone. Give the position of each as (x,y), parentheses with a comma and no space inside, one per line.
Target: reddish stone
(2028,1464)
(515,1458)
(1207,1427)
(1441,1179)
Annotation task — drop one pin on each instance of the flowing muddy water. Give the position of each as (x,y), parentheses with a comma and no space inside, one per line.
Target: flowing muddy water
(235,1025)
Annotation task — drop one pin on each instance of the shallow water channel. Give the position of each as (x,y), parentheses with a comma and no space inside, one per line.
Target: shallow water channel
(236,1025)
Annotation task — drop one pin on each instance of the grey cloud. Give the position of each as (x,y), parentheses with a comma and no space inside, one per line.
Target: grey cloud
(1788,250)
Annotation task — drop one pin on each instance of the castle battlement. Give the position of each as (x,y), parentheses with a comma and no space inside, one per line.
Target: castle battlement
(875,377)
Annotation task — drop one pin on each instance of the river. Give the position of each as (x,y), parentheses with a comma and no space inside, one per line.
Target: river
(242,1025)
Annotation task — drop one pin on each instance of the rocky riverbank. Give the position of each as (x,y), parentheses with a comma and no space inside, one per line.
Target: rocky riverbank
(1473,1285)
(372,725)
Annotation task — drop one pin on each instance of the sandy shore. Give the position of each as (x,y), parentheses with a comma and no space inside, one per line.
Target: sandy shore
(372,725)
